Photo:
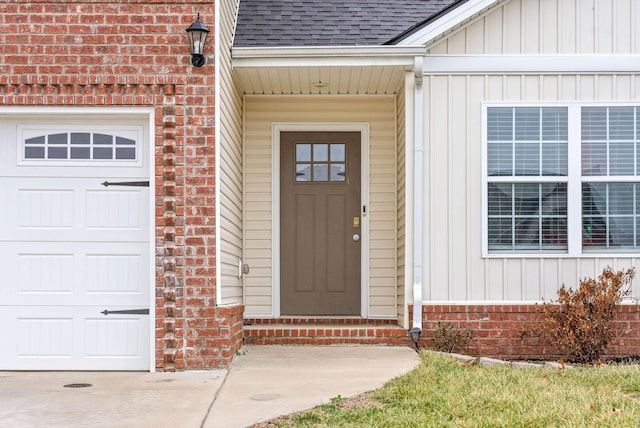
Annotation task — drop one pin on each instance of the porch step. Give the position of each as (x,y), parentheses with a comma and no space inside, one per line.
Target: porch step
(324,331)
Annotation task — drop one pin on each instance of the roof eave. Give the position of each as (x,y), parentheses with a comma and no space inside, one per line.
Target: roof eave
(291,56)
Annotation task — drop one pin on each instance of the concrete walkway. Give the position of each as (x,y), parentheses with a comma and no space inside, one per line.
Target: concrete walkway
(264,382)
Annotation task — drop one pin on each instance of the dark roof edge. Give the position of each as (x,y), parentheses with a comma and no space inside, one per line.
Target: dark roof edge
(424,23)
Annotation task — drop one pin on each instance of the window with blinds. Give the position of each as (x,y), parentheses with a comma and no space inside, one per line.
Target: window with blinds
(535,156)
(610,171)
(527,150)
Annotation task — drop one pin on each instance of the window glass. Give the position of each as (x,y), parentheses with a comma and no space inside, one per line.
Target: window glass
(337,172)
(79,146)
(303,172)
(102,139)
(57,152)
(527,216)
(125,153)
(320,152)
(525,213)
(320,172)
(537,143)
(80,152)
(610,141)
(57,139)
(500,124)
(337,152)
(320,162)
(102,153)
(528,212)
(35,140)
(34,152)
(303,152)
(610,215)
(80,138)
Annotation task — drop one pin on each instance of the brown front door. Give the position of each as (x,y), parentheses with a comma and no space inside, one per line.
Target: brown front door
(320,214)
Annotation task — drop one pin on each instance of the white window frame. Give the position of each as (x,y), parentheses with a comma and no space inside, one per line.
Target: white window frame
(574,180)
(26,131)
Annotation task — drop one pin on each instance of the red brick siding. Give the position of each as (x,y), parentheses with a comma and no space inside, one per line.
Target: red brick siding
(497,330)
(136,53)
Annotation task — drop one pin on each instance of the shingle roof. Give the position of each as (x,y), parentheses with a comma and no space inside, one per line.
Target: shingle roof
(330,22)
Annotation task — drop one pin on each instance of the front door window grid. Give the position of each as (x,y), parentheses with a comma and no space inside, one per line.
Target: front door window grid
(320,162)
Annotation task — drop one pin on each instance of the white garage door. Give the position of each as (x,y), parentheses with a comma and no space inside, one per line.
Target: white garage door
(71,248)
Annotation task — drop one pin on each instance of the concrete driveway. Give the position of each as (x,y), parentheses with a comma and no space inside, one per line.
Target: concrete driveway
(262,383)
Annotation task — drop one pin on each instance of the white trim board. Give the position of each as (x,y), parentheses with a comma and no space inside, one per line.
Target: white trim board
(535,64)
(447,22)
(276,129)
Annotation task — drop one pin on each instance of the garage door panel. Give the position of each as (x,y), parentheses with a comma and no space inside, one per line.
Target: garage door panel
(64,209)
(56,338)
(56,272)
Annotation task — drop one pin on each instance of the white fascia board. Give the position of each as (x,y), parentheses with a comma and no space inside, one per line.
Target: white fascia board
(447,22)
(534,64)
(326,56)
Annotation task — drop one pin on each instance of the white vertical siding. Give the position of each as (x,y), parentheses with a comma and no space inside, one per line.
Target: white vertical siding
(453,143)
(230,111)
(550,27)
(380,113)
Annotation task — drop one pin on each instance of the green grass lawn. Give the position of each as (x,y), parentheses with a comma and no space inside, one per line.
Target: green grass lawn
(442,392)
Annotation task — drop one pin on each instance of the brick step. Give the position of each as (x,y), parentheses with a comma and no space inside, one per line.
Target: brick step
(320,320)
(321,332)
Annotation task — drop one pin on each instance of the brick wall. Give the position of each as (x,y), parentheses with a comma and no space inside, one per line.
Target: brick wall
(497,330)
(136,53)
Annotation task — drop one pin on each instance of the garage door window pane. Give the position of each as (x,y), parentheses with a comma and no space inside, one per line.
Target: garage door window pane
(120,141)
(125,153)
(80,138)
(80,152)
(58,139)
(57,153)
(34,152)
(102,139)
(102,153)
(80,146)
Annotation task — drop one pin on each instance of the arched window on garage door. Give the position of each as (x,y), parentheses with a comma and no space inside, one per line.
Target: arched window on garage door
(80,145)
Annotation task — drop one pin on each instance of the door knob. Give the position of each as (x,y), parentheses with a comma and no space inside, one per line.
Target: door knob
(356,237)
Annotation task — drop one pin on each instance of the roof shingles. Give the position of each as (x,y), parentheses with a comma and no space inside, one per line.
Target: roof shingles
(263,23)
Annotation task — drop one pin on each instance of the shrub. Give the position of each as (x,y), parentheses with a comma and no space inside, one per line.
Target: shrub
(448,337)
(579,323)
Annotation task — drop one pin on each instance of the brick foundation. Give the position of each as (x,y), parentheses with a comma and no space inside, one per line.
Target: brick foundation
(135,53)
(498,330)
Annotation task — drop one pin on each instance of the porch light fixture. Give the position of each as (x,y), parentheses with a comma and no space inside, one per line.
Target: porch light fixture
(197,36)
(414,333)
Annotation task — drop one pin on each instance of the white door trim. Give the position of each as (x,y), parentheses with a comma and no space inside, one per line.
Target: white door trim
(276,129)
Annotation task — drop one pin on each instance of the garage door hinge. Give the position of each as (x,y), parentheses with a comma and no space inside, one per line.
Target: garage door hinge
(127,183)
(127,312)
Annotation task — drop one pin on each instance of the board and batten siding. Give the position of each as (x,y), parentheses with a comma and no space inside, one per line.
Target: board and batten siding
(260,113)
(230,192)
(549,27)
(454,267)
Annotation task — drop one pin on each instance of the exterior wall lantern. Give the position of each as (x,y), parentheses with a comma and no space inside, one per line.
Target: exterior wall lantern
(197,36)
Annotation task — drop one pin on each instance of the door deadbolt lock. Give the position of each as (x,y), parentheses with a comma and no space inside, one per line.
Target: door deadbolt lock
(356,222)
(356,237)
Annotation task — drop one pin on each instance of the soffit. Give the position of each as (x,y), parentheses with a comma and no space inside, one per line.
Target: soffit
(335,71)
(373,80)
